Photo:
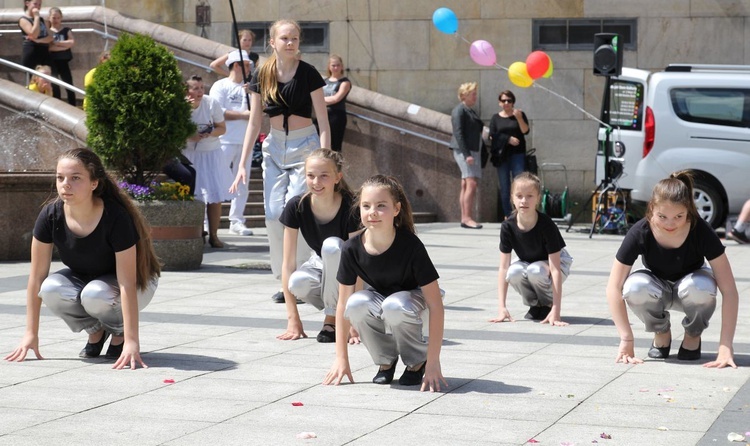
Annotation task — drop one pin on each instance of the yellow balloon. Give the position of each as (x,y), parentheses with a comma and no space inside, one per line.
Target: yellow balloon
(519,76)
(549,70)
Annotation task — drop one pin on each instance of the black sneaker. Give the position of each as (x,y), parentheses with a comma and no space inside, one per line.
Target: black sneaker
(738,237)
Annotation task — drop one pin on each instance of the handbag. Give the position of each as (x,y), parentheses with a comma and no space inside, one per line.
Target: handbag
(531,163)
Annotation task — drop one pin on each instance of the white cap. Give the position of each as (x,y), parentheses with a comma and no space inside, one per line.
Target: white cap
(234,56)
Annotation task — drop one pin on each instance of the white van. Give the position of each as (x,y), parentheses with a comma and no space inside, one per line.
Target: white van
(694,117)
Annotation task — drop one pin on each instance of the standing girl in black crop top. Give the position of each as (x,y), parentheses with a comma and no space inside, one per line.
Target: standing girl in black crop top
(287,89)
(674,243)
(401,292)
(111,270)
(324,217)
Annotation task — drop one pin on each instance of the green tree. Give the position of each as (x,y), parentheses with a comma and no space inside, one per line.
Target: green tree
(136,111)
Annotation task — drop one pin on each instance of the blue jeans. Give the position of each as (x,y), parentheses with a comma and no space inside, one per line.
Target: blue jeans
(506,171)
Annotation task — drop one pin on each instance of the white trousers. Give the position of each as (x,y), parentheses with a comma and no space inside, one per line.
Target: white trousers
(232,155)
(283,178)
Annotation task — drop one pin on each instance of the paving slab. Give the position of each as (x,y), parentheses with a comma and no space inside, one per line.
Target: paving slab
(218,375)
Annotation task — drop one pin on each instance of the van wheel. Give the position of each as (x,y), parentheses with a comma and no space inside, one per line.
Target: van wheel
(709,203)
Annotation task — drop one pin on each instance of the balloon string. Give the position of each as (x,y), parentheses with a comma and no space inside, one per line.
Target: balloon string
(573,104)
(589,115)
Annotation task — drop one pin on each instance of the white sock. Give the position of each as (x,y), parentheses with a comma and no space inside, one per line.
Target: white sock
(740,226)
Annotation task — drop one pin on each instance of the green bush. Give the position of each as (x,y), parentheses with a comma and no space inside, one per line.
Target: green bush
(137,115)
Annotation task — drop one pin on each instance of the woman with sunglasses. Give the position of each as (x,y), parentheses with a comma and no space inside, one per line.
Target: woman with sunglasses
(508,153)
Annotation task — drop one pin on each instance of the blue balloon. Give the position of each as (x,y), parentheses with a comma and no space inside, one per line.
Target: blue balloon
(445,20)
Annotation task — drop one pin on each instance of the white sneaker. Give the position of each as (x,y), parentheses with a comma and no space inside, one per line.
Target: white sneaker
(239,229)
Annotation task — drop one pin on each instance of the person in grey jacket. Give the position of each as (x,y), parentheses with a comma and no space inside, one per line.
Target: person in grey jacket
(466,144)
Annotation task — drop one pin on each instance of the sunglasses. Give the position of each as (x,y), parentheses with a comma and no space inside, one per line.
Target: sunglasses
(506,101)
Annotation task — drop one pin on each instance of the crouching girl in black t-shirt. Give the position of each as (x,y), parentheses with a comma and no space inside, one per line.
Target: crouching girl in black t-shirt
(112,271)
(401,289)
(543,263)
(325,218)
(674,243)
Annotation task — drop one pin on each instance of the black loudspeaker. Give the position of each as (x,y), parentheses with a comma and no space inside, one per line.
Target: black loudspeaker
(607,54)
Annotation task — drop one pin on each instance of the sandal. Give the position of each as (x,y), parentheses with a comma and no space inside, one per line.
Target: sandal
(327,336)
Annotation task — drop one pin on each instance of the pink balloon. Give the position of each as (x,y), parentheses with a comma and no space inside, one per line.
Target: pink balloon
(482,53)
(537,64)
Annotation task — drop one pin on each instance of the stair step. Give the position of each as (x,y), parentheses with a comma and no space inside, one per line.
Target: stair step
(254,212)
(424,217)
(259,220)
(251,208)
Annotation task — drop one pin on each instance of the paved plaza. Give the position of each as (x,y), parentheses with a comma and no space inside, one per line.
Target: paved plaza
(218,375)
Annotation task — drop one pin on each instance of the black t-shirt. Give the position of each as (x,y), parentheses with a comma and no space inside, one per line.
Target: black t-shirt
(508,126)
(534,245)
(701,244)
(94,255)
(295,93)
(298,214)
(402,267)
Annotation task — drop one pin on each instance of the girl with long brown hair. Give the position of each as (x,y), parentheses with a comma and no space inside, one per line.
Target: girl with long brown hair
(111,269)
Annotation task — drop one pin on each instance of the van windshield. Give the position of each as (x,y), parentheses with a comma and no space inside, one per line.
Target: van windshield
(625,105)
(718,106)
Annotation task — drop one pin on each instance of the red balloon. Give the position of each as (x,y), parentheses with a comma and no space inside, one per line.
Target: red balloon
(537,64)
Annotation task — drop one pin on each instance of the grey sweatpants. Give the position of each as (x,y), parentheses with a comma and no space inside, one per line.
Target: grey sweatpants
(315,281)
(92,305)
(650,298)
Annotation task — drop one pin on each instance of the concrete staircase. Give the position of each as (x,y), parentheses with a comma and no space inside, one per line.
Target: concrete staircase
(254,215)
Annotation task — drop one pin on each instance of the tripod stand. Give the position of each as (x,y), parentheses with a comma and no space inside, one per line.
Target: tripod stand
(603,190)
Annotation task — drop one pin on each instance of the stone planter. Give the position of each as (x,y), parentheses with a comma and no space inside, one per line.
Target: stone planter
(176,232)
(21,198)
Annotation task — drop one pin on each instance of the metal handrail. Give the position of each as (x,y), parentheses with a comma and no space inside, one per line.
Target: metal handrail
(114,37)
(208,69)
(54,80)
(400,129)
